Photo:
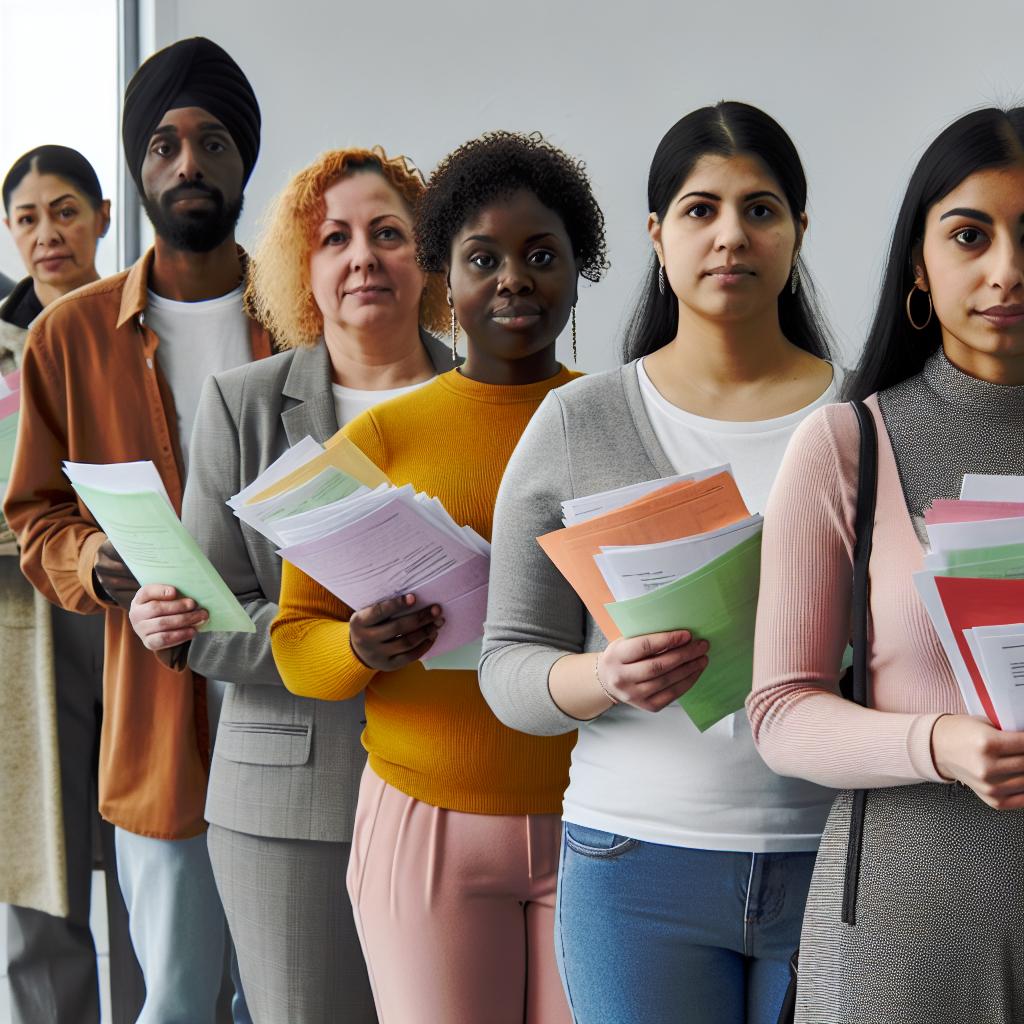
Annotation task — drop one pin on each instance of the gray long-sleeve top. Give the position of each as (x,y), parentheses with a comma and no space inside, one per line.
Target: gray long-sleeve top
(652,777)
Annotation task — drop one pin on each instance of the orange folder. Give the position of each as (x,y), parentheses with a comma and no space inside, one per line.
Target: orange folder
(678,510)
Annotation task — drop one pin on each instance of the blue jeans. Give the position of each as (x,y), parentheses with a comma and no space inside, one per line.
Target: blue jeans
(177,926)
(654,934)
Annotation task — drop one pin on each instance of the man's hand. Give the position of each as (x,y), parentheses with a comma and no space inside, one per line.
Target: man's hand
(114,577)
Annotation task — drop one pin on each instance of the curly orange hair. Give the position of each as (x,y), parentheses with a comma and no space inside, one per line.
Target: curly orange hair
(278,292)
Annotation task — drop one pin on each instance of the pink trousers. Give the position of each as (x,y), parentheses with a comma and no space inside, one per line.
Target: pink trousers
(455,911)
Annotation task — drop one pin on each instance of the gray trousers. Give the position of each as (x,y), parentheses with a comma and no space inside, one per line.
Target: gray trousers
(291,921)
(51,963)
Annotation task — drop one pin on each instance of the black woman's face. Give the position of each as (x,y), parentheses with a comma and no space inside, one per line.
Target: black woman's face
(513,278)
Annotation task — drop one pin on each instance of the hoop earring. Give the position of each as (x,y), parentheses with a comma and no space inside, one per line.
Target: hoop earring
(574,333)
(910,316)
(661,278)
(454,330)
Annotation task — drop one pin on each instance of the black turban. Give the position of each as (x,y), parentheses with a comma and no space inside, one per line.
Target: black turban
(190,73)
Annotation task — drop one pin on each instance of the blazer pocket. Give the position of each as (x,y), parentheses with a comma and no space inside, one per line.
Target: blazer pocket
(270,743)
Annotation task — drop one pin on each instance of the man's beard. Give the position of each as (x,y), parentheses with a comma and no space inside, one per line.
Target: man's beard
(193,231)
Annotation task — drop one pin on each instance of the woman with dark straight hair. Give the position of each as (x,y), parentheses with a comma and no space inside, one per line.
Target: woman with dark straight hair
(724,130)
(51,664)
(684,860)
(935,927)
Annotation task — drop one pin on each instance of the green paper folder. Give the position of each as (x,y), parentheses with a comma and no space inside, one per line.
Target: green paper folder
(152,542)
(1004,562)
(717,603)
(8,435)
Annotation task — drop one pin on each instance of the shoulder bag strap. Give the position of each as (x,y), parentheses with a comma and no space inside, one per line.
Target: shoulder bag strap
(864,522)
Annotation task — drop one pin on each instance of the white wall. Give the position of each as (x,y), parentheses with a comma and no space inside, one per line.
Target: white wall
(861,87)
(58,84)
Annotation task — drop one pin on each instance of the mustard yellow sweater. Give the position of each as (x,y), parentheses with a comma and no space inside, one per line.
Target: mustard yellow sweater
(430,734)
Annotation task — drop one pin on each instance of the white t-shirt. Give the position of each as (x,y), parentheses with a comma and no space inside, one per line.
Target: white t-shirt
(350,402)
(655,777)
(197,339)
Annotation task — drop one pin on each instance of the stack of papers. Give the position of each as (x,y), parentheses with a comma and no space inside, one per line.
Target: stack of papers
(671,554)
(131,504)
(10,405)
(334,514)
(972,585)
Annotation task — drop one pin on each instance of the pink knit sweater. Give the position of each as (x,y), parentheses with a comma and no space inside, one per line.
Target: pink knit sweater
(801,725)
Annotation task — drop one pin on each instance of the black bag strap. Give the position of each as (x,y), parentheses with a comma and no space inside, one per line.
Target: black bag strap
(864,522)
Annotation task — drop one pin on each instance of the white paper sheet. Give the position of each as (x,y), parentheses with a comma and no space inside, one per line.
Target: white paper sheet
(929,594)
(118,477)
(298,455)
(989,533)
(638,569)
(984,487)
(264,516)
(999,653)
(578,510)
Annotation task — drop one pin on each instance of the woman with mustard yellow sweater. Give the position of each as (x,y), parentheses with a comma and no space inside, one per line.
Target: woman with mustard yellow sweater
(455,853)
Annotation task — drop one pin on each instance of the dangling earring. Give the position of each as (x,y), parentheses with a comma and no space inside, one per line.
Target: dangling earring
(795,281)
(574,333)
(661,278)
(455,330)
(931,309)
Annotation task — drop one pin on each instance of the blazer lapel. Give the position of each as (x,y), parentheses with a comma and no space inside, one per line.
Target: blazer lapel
(309,404)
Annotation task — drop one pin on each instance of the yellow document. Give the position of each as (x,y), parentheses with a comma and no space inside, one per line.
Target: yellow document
(339,453)
(677,510)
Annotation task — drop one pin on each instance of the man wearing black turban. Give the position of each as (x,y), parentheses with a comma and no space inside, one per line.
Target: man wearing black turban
(133,351)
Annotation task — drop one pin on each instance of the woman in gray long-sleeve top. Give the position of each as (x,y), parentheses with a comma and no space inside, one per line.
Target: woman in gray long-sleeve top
(335,279)
(685,861)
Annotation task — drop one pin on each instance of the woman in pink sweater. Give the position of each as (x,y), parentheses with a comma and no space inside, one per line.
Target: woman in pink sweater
(939,925)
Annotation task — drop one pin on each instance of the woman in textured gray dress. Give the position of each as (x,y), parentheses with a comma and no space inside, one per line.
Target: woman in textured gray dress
(936,932)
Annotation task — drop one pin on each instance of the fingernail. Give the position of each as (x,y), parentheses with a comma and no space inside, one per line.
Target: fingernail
(440,623)
(704,645)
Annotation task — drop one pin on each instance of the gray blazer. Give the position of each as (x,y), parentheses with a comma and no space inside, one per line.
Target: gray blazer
(283,766)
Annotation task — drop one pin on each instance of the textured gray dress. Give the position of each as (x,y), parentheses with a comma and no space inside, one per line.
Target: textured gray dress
(939,933)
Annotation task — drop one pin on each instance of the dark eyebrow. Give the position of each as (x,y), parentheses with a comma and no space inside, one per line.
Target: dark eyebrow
(60,199)
(964,211)
(206,126)
(25,206)
(487,238)
(700,195)
(747,198)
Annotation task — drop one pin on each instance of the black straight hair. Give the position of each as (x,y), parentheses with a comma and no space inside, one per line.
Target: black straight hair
(894,349)
(726,129)
(62,161)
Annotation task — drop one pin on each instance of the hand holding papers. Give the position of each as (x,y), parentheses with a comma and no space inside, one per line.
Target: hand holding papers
(131,505)
(973,589)
(338,519)
(683,555)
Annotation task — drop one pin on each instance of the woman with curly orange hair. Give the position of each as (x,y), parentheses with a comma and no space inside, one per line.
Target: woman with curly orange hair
(336,281)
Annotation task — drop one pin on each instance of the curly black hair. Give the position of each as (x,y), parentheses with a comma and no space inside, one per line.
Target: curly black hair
(494,166)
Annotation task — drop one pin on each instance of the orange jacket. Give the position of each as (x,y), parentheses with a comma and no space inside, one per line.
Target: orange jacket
(92,391)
